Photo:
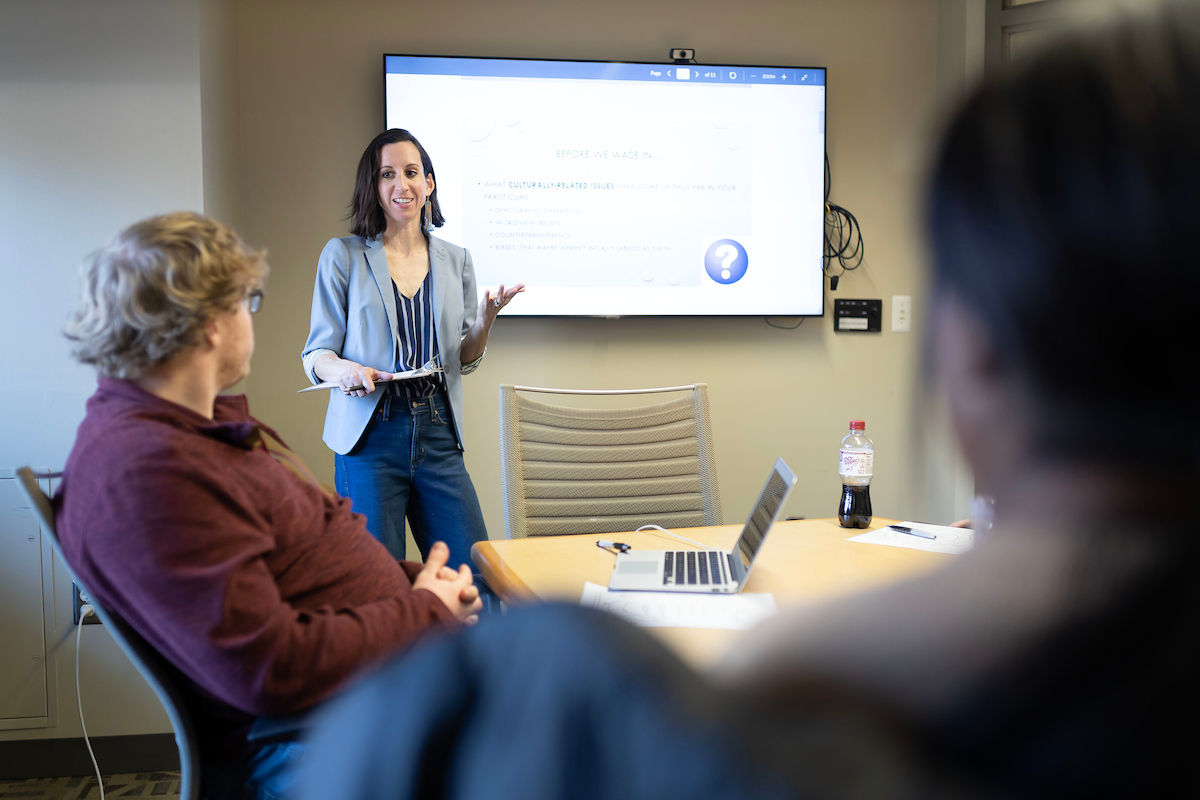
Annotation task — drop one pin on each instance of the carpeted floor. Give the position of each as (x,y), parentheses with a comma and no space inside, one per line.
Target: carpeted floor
(163,785)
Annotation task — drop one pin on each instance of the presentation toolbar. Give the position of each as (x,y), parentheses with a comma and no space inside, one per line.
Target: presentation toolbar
(602,70)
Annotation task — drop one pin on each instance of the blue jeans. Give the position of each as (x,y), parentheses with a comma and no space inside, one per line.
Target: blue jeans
(408,463)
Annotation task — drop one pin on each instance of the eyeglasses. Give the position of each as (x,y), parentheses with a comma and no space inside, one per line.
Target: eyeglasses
(254,300)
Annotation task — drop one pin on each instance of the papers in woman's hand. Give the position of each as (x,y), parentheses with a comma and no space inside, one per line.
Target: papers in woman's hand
(419,372)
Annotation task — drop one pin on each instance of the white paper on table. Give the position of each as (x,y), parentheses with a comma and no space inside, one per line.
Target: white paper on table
(731,612)
(949,540)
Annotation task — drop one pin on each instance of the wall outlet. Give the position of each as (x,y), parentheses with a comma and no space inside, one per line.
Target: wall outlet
(901,313)
(80,600)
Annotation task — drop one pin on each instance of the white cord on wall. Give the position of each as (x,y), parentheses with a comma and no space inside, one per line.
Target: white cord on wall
(85,611)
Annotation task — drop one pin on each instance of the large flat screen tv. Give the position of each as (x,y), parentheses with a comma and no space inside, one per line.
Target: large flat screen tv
(614,189)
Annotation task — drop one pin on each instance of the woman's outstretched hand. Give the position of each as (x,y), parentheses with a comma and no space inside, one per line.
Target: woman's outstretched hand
(491,304)
(475,342)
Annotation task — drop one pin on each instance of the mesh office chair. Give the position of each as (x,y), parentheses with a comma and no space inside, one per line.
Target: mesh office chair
(591,470)
(154,668)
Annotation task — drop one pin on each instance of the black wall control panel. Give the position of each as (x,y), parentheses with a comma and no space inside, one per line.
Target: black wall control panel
(857,316)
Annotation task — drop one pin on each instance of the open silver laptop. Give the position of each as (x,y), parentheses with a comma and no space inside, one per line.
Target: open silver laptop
(721,571)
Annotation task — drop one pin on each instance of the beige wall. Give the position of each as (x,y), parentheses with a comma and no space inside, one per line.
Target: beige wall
(311,97)
(219,109)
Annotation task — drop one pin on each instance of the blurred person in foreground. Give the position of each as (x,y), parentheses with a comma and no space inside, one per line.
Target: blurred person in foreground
(194,522)
(1057,659)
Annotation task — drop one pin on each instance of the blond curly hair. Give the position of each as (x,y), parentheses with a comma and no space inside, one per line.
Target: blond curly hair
(148,294)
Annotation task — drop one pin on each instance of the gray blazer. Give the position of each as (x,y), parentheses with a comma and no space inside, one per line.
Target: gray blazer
(354,315)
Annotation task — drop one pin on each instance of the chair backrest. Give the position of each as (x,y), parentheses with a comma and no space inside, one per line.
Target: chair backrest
(601,470)
(153,667)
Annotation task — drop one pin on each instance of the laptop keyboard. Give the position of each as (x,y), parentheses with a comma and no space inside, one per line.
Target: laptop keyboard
(693,568)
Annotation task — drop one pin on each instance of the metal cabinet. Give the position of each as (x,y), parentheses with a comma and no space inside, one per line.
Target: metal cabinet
(28,680)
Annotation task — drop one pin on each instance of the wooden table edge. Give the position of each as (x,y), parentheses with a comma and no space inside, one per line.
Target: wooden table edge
(502,580)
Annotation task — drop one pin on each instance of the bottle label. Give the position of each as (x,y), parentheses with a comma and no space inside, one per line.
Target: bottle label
(857,464)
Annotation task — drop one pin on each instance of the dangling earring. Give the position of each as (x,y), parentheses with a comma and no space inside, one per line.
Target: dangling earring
(428,215)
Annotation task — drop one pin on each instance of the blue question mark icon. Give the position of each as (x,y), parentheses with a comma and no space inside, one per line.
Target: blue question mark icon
(726,261)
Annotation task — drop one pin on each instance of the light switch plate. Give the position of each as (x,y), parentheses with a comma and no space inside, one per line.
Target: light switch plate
(901,313)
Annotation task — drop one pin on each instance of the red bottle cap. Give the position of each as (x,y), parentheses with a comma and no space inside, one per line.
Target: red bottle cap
(857,425)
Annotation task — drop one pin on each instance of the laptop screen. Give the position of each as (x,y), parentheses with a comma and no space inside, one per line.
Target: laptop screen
(765,512)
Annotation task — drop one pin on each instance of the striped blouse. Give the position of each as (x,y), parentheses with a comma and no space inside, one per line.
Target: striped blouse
(418,341)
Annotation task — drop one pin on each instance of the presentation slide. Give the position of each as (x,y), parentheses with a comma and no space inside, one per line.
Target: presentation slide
(626,189)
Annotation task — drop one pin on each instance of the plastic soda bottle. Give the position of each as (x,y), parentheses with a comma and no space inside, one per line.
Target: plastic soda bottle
(857,465)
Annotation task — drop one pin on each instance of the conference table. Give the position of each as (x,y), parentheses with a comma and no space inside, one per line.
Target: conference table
(801,562)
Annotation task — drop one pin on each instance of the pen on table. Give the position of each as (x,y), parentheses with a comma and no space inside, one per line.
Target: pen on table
(912,532)
(624,548)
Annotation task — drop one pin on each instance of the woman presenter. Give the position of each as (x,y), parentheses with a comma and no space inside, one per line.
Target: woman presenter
(391,298)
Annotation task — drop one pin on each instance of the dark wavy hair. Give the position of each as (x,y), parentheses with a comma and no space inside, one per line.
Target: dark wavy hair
(366,217)
(1060,213)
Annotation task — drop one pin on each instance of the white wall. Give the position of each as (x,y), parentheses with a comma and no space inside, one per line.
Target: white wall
(99,126)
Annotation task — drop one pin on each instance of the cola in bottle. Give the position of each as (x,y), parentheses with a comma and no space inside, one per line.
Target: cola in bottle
(856,465)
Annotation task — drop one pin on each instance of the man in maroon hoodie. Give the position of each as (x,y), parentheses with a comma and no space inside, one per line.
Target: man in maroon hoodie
(190,519)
